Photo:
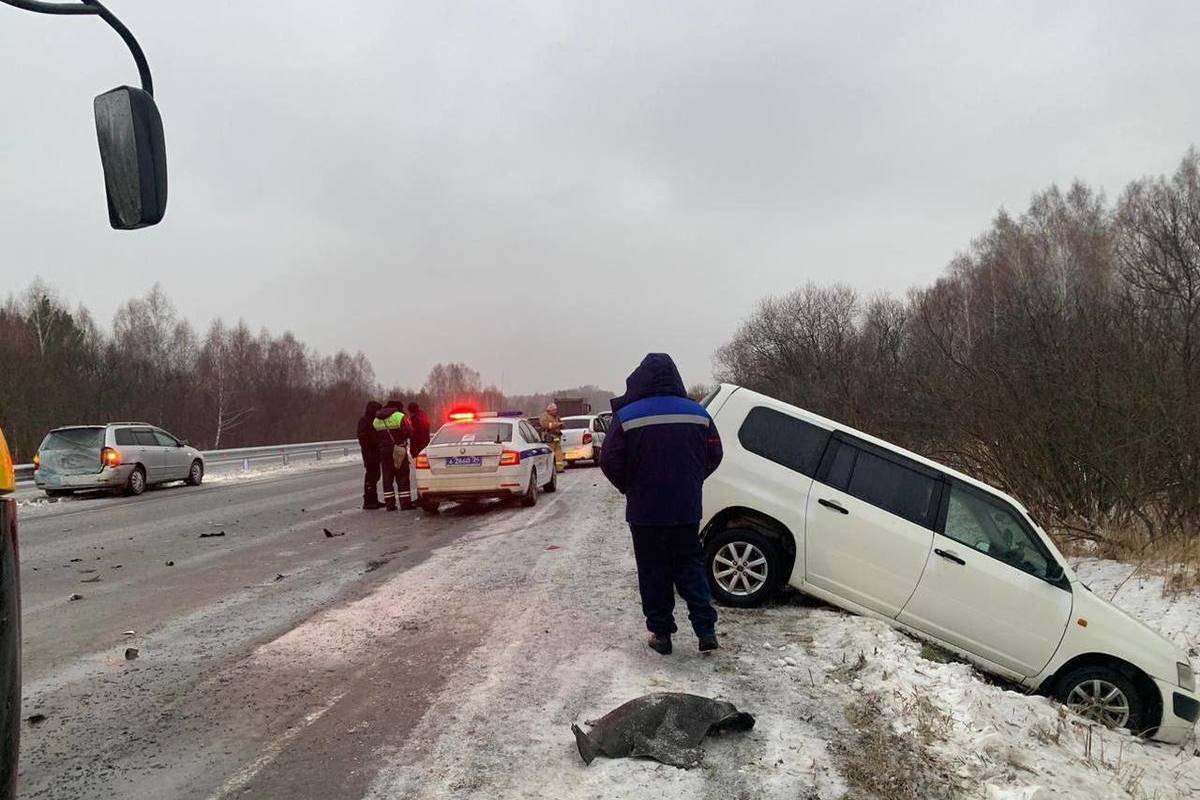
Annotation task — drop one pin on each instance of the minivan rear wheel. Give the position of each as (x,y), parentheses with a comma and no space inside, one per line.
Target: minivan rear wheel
(1104,695)
(136,484)
(743,567)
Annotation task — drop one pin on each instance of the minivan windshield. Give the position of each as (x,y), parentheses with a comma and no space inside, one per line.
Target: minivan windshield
(74,440)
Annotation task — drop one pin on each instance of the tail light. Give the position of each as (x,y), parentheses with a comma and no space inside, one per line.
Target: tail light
(37,460)
(422,461)
(510,458)
(587,438)
(110,457)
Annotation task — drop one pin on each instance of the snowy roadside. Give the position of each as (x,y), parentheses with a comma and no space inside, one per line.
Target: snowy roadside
(31,500)
(845,706)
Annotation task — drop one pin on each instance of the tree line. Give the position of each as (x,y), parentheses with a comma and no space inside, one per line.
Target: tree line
(1057,358)
(228,387)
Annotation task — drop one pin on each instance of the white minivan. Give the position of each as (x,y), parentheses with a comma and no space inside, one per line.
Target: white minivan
(880,531)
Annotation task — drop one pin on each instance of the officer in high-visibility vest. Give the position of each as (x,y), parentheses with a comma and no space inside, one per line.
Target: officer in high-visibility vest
(393,431)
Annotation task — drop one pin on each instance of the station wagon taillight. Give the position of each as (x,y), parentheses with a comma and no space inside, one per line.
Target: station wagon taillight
(37,460)
(110,457)
(510,458)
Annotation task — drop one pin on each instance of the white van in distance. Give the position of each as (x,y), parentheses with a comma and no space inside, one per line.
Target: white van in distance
(880,531)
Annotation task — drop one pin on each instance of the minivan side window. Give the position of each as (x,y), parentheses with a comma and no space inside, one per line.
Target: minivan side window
(781,438)
(987,524)
(885,483)
(124,436)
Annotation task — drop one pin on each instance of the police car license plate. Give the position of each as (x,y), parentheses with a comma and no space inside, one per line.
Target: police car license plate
(464,461)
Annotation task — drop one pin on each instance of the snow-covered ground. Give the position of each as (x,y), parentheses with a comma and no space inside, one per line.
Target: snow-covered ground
(845,707)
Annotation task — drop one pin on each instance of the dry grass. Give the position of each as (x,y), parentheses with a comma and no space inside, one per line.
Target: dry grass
(1176,560)
(880,764)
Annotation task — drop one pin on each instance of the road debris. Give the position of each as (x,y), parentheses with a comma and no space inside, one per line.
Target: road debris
(75,597)
(93,579)
(330,534)
(131,653)
(130,633)
(279,576)
(34,719)
(665,726)
(170,563)
(76,560)
(553,547)
(212,534)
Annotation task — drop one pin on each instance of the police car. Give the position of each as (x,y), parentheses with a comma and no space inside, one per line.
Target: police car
(481,455)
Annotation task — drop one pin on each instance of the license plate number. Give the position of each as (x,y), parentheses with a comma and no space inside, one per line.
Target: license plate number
(464,461)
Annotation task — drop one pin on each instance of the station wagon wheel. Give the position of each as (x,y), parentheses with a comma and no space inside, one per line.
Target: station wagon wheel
(196,473)
(743,566)
(136,483)
(1105,695)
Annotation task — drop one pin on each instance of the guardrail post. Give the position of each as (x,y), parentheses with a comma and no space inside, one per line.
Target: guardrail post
(245,465)
(318,455)
(285,458)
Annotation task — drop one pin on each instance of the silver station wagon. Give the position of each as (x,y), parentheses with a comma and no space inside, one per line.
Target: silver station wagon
(120,456)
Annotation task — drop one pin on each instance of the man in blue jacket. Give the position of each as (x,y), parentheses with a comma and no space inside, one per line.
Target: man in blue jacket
(658,452)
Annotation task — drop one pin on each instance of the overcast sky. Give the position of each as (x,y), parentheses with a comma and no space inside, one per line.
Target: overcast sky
(547,190)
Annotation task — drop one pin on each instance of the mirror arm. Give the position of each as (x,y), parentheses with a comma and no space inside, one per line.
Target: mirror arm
(97,8)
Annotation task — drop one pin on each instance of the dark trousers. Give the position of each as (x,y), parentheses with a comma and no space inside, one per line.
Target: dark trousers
(370,481)
(396,482)
(670,559)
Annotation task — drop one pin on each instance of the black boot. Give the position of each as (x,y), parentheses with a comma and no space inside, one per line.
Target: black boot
(659,643)
(371,504)
(708,644)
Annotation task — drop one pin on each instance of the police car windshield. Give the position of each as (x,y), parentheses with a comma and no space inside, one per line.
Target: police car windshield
(572,424)
(474,432)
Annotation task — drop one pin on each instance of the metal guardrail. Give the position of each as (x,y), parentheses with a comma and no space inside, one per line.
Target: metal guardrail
(245,455)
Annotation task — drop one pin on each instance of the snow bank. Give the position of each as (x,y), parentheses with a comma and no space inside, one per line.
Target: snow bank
(841,701)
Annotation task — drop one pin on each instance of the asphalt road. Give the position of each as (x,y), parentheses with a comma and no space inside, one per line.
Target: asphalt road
(202,712)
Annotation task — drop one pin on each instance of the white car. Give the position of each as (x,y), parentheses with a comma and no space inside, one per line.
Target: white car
(476,456)
(583,438)
(880,531)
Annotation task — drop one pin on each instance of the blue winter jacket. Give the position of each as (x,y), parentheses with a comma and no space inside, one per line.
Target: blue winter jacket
(661,446)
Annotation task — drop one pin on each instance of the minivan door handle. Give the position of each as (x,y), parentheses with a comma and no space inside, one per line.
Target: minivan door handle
(946,554)
(833,505)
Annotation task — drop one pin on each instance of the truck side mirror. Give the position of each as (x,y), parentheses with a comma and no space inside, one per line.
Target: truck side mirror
(134,156)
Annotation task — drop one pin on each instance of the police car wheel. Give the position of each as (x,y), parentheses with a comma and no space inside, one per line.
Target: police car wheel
(531,497)
(552,486)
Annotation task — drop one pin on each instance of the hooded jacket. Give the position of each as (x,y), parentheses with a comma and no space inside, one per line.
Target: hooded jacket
(367,443)
(661,446)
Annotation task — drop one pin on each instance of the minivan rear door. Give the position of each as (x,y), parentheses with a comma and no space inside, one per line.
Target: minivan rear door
(991,588)
(869,527)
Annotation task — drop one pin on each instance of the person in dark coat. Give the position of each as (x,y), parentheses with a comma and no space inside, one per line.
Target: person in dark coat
(369,447)
(420,425)
(660,448)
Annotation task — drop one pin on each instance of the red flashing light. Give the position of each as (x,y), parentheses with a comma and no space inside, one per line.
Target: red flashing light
(462,416)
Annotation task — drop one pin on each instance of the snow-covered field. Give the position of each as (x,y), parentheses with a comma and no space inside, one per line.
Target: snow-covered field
(845,707)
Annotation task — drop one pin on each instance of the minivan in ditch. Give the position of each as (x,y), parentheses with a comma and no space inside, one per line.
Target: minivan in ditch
(120,456)
(877,530)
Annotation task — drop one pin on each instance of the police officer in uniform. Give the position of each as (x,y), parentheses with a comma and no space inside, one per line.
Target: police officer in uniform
(392,431)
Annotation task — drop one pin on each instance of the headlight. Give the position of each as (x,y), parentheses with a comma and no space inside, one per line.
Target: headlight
(1187,678)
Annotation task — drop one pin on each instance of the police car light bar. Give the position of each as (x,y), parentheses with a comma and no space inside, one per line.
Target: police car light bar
(467,416)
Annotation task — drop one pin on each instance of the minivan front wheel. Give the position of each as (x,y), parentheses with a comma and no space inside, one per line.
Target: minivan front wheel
(743,567)
(136,484)
(1104,695)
